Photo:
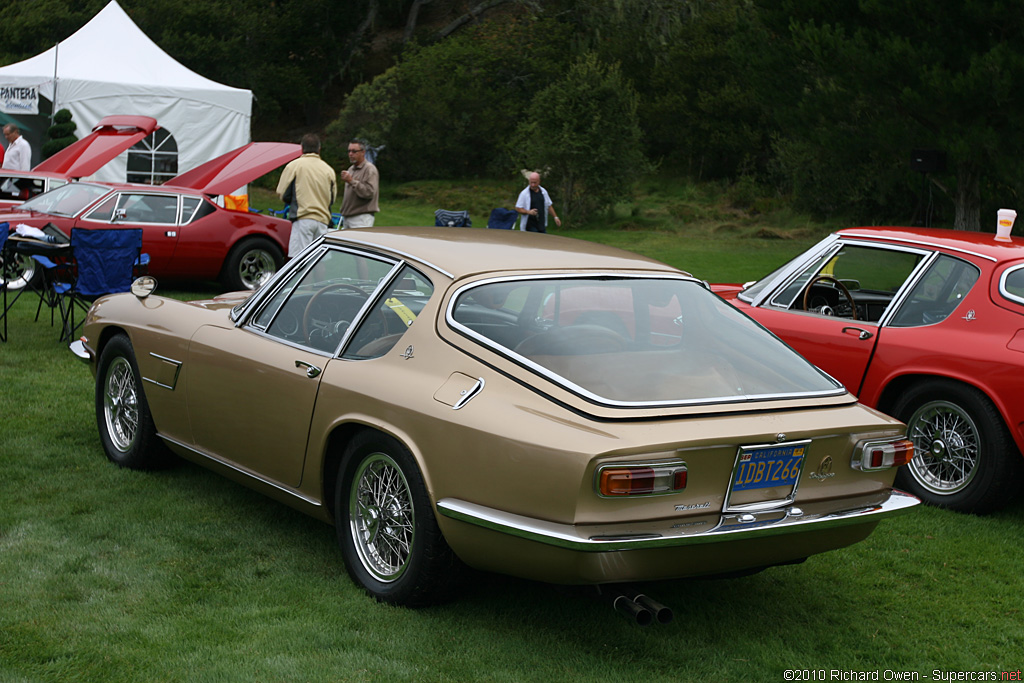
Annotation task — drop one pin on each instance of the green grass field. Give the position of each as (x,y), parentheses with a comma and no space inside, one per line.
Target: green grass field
(180,575)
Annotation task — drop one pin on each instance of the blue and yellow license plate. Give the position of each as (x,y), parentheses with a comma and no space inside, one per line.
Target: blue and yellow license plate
(768,466)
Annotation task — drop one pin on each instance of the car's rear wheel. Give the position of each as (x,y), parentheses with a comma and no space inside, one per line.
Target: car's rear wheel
(964,458)
(387,531)
(126,426)
(251,263)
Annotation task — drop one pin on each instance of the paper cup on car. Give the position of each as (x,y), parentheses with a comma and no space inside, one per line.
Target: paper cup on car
(1005,224)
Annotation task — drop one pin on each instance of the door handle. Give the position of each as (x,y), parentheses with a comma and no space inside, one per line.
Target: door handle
(862,334)
(311,370)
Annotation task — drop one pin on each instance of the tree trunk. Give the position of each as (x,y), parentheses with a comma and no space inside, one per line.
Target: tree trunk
(411,19)
(968,198)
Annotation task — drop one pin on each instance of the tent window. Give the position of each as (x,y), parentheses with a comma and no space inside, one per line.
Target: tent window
(153,160)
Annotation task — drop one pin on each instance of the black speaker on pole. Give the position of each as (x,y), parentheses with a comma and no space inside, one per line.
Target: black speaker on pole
(927,161)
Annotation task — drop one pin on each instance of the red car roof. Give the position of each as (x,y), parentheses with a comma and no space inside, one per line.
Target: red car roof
(239,167)
(980,243)
(111,136)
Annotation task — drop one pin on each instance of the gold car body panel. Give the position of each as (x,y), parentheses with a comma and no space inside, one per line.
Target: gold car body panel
(501,448)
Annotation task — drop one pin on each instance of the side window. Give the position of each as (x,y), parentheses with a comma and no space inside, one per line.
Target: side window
(188,208)
(937,294)
(319,304)
(148,208)
(104,211)
(392,314)
(20,188)
(871,275)
(1012,284)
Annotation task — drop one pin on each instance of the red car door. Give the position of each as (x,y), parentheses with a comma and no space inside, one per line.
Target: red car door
(839,346)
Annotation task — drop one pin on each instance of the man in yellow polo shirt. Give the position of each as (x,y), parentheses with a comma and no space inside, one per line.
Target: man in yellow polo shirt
(309,187)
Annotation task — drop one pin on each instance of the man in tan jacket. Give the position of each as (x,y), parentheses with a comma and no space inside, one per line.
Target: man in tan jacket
(359,203)
(308,186)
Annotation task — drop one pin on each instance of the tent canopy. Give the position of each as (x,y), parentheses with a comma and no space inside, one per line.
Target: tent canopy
(110,66)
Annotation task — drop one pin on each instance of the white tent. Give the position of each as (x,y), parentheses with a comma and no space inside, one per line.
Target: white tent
(110,66)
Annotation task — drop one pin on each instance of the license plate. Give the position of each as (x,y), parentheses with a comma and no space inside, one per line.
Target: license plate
(767,467)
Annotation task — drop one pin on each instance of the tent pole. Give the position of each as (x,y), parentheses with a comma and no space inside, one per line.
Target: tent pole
(53,105)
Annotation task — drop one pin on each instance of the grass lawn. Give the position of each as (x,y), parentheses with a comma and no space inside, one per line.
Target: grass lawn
(113,575)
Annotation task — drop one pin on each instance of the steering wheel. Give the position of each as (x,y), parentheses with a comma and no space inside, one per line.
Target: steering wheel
(839,285)
(307,318)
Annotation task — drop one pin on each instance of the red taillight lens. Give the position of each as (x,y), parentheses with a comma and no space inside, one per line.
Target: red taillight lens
(881,455)
(639,480)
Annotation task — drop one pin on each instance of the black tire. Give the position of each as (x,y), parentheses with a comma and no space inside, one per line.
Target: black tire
(964,456)
(250,263)
(388,534)
(122,414)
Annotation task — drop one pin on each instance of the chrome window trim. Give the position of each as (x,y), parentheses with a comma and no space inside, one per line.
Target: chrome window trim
(585,393)
(917,243)
(399,253)
(1006,294)
(246,317)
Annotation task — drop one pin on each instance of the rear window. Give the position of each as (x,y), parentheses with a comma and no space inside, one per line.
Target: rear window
(634,341)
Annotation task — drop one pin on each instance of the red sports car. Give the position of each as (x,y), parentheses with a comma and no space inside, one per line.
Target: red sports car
(111,136)
(187,235)
(927,326)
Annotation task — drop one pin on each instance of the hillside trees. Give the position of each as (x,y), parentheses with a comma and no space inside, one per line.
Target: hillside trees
(583,132)
(857,85)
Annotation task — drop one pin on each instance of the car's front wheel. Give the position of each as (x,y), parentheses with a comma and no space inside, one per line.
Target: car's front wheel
(251,263)
(126,426)
(24,271)
(964,457)
(387,531)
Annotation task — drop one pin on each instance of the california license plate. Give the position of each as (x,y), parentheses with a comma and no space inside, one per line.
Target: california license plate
(768,466)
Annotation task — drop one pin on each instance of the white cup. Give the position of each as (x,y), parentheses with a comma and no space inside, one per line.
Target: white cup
(1005,224)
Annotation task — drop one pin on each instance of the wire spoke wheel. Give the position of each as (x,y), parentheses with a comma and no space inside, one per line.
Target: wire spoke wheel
(382,517)
(947,447)
(121,404)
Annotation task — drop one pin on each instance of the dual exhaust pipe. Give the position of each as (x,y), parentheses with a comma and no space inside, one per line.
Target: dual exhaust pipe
(638,607)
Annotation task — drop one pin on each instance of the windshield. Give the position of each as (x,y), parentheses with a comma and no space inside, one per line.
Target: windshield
(67,200)
(635,341)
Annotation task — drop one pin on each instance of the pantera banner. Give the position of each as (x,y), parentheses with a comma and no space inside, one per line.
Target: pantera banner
(19,99)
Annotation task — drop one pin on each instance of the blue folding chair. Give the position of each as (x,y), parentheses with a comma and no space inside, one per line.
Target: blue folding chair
(502,219)
(6,261)
(452,219)
(104,263)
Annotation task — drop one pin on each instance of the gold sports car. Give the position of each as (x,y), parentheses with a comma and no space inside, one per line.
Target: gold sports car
(515,402)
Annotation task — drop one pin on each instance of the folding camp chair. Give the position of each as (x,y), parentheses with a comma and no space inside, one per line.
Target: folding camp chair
(7,261)
(452,219)
(104,263)
(502,219)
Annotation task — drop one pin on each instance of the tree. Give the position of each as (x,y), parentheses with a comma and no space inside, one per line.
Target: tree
(866,82)
(585,132)
(61,134)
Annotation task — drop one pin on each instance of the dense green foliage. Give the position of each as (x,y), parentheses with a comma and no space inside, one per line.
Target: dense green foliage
(825,103)
(60,134)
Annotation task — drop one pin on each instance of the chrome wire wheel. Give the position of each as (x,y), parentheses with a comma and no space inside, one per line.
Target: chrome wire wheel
(255,267)
(121,404)
(947,447)
(381,517)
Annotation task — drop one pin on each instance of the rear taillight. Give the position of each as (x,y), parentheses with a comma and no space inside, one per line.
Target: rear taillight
(881,455)
(647,479)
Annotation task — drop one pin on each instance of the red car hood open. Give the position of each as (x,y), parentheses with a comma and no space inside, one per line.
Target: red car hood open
(239,167)
(111,136)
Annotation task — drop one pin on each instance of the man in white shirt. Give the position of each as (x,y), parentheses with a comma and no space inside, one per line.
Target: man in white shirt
(18,156)
(533,205)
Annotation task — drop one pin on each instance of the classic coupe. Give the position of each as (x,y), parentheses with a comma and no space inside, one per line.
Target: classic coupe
(515,402)
(185,232)
(926,325)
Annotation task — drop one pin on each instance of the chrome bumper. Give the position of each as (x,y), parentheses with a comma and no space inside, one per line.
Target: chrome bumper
(688,531)
(81,351)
